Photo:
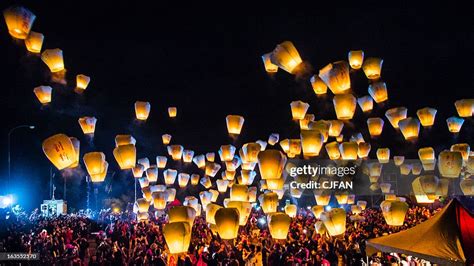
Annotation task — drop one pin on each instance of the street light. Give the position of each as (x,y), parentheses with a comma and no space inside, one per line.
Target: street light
(9,150)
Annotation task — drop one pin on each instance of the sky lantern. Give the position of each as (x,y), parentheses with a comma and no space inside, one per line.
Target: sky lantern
(152,173)
(82,81)
(269,202)
(295,147)
(332,149)
(320,228)
(362,204)
(170,176)
(429,184)
(410,128)
(142,216)
(211,210)
(234,124)
(467,186)
(212,169)
(286,57)
(60,150)
(273,138)
(247,177)
(322,126)
(311,142)
(210,156)
(34,42)
(138,171)
(239,192)
(375,125)
(398,160)
(96,166)
(166,139)
(262,143)
(344,105)
(285,145)
(291,210)
(146,192)
(454,124)
(177,236)
(142,110)
(372,67)
(244,209)
(341,197)
(356,58)
(206,182)
(464,107)
(206,198)
(183,179)
(222,185)
(334,221)
(275,184)
(298,109)
(383,155)
(188,156)
(335,128)
(200,161)
(366,103)
(356,209)
(271,164)
(182,214)
(228,175)
(318,85)
(450,164)
(53,58)
(322,197)
(214,194)
(269,66)
(278,225)
(357,137)
(161,161)
(143,205)
(427,158)
(426,116)
(172,112)
(193,202)
(126,156)
(349,150)
(304,123)
(143,182)
(250,152)
(124,140)
(145,162)
(195,179)
(19,21)
(336,76)
(385,187)
(394,212)
(252,194)
(363,149)
(43,93)
(227,222)
(405,169)
(375,169)
(317,210)
(226,152)
(394,115)
(248,166)
(463,148)
(87,124)
(159,199)
(378,91)
(176,151)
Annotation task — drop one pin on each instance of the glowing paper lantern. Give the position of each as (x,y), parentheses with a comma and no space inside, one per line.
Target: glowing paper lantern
(366,103)
(60,151)
(298,109)
(234,124)
(152,173)
(250,152)
(206,182)
(269,67)
(454,124)
(416,168)
(226,152)
(19,21)
(427,158)
(214,195)
(334,221)
(126,156)
(286,57)
(378,91)
(322,197)
(34,42)
(271,164)
(188,156)
(372,67)
(222,185)
(138,171)
(121,140)
(239,193)
(227,222)
(322,126)
(195,179)
(206,198)
(426,116)
(398,160)
(394,115)
(244,209)
(252,194)
(356,209)
(304,123)
(345,105)
(429,184)
(467,186)
(383,155)
(357,137)
(363,149)
(176,151)
(212,169)
(320,228)
(311,142)
(405,169)
(166,138)
(228,175)
(332,150)
(211,210)
(82,81)
(349,150)
(295,147)
(278,225)
(269,202)
(341,197)
(247,177)
(336,76)
(275,184)
(159,199)
(375,125)
(96,166)
(43,93)
(161,161)
(394,212)
(183,179)
(263,144)
(177,236)
(210,156)
(143,182)
(465,107)
(170,176)
(273,138)
(142,110)
(53,58)
(317,210)
(142,216)
(143,205)
(318,85)
(362,204)
(450,164)
(182,214)
(172,112)
(200,161)
(356,58)
(463,148)
(385,187)
(410,128)
(420,195)
(335,128)
(87,124)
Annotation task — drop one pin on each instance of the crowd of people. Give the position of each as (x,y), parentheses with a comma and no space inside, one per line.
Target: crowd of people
(117,239)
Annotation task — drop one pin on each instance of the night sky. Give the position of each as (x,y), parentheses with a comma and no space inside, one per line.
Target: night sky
(207,63)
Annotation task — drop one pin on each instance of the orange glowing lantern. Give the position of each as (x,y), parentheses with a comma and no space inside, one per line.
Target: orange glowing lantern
(345,105)
(286,57)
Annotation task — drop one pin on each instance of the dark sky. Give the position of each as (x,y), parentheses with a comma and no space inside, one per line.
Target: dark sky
(206,61)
